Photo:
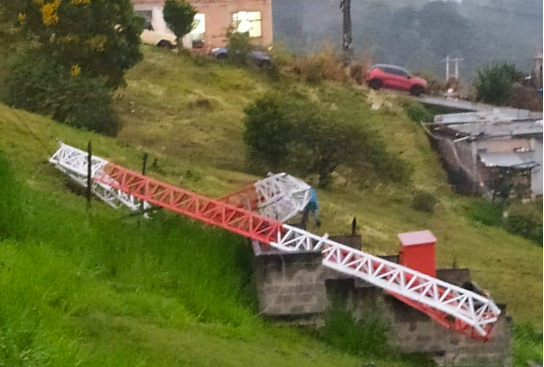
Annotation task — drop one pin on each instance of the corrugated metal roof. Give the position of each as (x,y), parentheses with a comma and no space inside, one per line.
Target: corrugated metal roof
(498,129)
(488,116)
(511,160)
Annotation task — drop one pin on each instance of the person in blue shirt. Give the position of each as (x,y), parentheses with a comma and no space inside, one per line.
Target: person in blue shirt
(313,207)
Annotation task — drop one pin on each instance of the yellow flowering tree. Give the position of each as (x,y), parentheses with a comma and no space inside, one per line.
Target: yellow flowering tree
(101,37)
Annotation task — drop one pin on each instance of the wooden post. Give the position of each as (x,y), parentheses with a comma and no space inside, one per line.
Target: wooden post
(144,169)
(347,36)
(89,174)
(144,164)
(354,226)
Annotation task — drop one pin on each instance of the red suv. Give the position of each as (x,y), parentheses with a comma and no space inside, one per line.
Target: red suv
(394,77)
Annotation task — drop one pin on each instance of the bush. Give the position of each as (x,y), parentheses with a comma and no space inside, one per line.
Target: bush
(179,15)
(239,46)
(485,212)
(418,113)
(288,131)
(102,37)
(525,220)
(38,83)
(424,201)
(323,65)
(494,83)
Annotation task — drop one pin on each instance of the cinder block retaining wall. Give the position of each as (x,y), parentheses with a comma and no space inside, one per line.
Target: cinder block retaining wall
(297,288)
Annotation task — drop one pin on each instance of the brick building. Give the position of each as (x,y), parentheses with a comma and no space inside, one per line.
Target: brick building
(213,19)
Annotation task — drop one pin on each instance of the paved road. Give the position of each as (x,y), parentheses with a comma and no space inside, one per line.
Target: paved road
(478,107)
(456,103)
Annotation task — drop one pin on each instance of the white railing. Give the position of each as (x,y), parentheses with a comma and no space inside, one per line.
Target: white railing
(74,163)
(469,307)
(473,309)
(281,196)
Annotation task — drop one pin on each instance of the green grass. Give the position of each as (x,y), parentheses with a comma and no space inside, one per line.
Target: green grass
(135,307)
(101,289)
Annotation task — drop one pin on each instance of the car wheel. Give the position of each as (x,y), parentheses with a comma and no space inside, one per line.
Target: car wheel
(165,44)
(417,90)
(375,84)
(222,56)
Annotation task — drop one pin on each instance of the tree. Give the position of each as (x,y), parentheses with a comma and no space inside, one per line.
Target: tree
(179,15)
(494,83)
(239,46)
(101,37)
(39,83)
(288,131)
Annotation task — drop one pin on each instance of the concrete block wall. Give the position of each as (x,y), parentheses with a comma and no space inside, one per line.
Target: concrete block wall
(297,288)
(414,332)
(291,286)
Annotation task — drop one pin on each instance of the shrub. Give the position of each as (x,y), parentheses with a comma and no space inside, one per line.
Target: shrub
(494,83)
(179,15)
(323,65)
(424,201)
(39,83)
(268,132)
(289,131)
(102,37)
(239,45)
(525,220)
(485,212)
(418,113)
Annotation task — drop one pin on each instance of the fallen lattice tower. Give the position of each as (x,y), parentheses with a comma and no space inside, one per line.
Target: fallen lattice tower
(274,202)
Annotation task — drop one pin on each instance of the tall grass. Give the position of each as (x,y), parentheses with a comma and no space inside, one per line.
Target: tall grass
(59,262)
(527,345)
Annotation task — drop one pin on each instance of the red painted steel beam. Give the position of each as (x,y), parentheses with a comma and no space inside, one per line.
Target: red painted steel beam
(209,211)
(237,220)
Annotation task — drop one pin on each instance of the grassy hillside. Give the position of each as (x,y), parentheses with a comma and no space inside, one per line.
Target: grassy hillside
(105,289)
(207,141)
(125,291)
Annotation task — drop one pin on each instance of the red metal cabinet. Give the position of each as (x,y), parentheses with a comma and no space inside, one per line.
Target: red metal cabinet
(417,251)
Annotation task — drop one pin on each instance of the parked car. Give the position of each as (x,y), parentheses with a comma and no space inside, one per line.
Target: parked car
(395,77)
(162,39)
(259,58)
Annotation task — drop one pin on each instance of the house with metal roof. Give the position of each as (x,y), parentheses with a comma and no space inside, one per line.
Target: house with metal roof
(214,18)
(497,153)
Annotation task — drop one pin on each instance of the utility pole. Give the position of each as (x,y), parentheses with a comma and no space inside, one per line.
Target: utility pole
(347,36)
(88,191)
(457,61)
(447,68)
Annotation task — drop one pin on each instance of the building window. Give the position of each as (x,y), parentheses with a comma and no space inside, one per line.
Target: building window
(199,31)
(248,22)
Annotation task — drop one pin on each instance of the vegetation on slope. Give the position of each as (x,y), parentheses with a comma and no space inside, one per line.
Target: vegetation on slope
(101,288)
(188,114)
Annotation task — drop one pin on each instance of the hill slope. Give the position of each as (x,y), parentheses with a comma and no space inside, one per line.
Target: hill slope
(127,300)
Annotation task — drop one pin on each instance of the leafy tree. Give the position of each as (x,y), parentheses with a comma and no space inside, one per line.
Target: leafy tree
(239,46)
(494,83)
(288,131)
(267,132)
(179,15)
(39,83)
(101,37)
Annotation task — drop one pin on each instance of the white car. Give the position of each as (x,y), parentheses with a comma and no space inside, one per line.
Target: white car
(161,39)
